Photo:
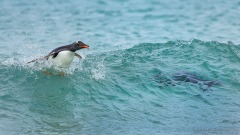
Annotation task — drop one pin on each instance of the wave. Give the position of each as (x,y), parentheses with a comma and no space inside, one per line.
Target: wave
(129,85)
(210,60)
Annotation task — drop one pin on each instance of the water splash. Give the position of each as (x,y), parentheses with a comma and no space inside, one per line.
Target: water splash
(98,72)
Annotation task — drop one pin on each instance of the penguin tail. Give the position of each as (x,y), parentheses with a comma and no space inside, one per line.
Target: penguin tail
(43,58)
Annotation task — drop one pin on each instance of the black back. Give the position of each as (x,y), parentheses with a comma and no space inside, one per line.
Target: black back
(55,52)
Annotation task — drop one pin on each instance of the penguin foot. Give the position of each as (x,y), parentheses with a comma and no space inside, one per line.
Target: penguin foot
(47,73)
(61,74)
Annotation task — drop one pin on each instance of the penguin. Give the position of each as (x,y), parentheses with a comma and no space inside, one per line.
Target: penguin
(63,56)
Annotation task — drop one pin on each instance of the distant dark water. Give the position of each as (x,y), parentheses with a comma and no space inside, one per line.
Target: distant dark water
(114,89)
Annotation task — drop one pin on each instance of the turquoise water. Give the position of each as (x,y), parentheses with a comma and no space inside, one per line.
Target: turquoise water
(116,88)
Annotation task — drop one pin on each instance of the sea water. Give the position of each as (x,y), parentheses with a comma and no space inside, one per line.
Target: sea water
(116,88)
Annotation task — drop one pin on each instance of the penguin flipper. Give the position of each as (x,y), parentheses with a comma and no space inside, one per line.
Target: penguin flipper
(54,55)
(79,56)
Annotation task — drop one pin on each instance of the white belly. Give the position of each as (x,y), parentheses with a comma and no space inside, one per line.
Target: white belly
(63,59)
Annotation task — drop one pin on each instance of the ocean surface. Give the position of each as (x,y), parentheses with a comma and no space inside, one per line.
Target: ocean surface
(126,82)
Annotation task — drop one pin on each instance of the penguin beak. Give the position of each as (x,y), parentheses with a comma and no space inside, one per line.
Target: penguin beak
(84,46)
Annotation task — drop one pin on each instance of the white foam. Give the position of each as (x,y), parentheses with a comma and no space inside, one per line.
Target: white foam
(98,72)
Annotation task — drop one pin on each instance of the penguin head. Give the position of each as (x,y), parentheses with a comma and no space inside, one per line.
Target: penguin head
(79,45)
